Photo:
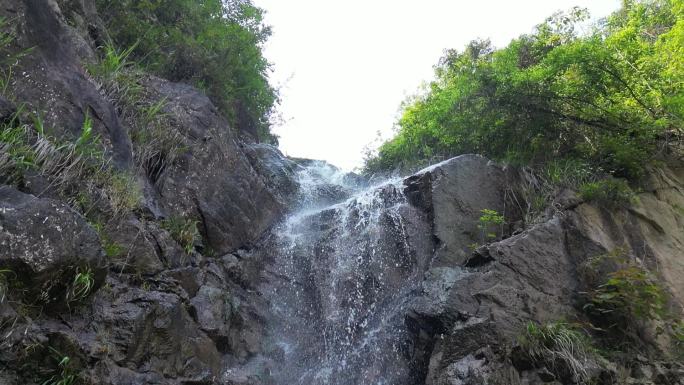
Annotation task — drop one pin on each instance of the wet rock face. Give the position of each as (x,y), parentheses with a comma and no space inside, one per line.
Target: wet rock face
(213,181)
(338,279)
(345,281)
(44,244)
(279,172)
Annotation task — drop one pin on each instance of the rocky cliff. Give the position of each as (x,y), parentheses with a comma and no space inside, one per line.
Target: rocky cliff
(216,260)
(158,310)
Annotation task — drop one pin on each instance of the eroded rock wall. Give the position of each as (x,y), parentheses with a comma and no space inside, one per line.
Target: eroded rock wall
(157,312)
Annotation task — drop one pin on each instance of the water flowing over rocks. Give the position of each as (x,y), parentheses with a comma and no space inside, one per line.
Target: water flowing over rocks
(385,288)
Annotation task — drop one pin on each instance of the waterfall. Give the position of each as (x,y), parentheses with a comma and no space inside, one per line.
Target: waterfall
(341,268)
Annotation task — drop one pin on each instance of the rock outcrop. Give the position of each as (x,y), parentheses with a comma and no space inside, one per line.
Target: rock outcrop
(480,305)
(44,244)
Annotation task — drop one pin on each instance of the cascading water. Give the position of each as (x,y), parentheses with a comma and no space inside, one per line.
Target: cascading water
(341,268)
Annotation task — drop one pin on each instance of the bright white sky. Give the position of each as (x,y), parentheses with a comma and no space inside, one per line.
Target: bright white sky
(345,66)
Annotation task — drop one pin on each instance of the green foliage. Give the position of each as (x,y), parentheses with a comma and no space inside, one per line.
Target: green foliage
(16,152)
(560,347)
(113,63)
(81,286)
(610,192)
(119,77)
(487,224)
(622,293)
(64,374)
(213,44)
(88,144)
(678,327)
(6,60)
(605,99)
(112,249)
(569,173)
(26,147)
(184,231)
(632,291)
(155,143)
(678,334)
(77,169)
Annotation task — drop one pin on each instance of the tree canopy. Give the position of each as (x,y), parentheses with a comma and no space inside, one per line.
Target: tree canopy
(607,98)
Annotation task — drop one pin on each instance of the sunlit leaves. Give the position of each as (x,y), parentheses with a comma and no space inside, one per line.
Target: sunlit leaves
(605,98)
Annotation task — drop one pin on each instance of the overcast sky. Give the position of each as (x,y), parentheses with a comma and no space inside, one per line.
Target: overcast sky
(345,66)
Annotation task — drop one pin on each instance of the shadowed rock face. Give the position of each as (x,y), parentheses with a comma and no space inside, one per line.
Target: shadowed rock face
(213,180)
(161,316)
(44,244)
(53,80)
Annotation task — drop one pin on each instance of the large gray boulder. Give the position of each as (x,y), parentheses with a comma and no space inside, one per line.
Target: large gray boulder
(453,193)
(476,303)
(44,243)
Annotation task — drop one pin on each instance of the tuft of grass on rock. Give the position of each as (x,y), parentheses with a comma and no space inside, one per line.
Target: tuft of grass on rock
(560,347)
(184,231)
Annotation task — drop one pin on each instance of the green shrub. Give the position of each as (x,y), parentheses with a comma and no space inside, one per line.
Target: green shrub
(487,223)
(184,231)
(678,333)
(111,248)
(632,291)
(215,45)
(560,347)
(112,64)
(119,77)
(569,173)
(609,192)
(622,294)
(155,143)
(26,147)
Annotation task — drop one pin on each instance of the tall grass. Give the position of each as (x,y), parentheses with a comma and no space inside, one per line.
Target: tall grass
(560,347)
(25,147)
(155,143)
